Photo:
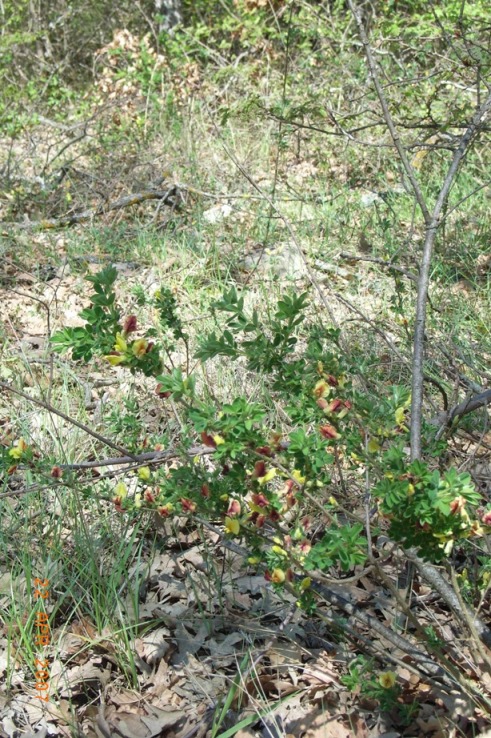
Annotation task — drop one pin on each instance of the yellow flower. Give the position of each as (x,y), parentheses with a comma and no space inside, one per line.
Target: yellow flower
(387,679)
(278,550)
(139,347)
(253,560)
(218,440)
(476,529)
(373,446)
(444,537)
(138,500)
(400,414)
(305,583)
(114,359)
(411,489)
(298,477)
(332,501)
(121,490)
(232,526)
(18,449)
(267,477)
(144,473)
(120,344)
(321,389)
(278,576)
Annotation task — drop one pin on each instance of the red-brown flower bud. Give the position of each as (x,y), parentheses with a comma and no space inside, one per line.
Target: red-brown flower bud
(276,441)
(148,495)
(335,405)
(207,440)
(305,546)
(56,472)
(259,500)
(129,325)
(233,508)
(486,518)
(188,505)
(259,469)
(290,500)
(329,431)
(457,505)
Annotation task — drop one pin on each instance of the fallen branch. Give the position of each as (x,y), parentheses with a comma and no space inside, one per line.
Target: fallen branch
(433,577)
(167,197)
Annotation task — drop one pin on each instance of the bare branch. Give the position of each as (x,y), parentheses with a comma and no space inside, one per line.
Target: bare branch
(469,405)
(72,421)
(148,457)
(372,65)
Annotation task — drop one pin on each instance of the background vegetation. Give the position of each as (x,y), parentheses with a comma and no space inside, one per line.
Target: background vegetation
(240,503)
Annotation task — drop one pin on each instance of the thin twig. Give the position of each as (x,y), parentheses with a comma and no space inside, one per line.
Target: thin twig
(134,199)
(382,262)
(72,421)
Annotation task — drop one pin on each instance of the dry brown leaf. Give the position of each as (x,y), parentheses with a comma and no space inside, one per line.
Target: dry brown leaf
(319,725)
(225,645)
(153,646)
(147,725)
(74,681)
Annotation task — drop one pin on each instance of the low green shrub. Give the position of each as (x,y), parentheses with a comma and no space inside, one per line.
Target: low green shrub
(297,497)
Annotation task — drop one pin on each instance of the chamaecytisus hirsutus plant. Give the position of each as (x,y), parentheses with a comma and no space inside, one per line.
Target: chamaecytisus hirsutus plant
(290,494)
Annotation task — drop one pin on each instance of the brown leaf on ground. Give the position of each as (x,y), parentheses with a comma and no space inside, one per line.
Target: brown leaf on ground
(153,646)
(319,724)
(144,722)
(77,680)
